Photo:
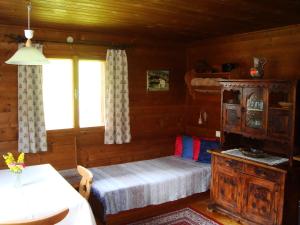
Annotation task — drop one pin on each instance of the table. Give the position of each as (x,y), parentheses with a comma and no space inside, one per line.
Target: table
(43,192)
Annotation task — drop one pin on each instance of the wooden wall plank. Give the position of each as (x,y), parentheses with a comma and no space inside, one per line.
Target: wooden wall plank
(280,46)
(156,117)
(169,19)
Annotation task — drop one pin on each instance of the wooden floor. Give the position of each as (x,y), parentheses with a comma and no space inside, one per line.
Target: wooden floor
(199,204)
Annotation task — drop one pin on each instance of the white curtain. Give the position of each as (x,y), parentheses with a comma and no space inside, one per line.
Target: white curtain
(32,132)
(117,122)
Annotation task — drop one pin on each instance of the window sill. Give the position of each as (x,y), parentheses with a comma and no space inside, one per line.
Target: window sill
(76,130)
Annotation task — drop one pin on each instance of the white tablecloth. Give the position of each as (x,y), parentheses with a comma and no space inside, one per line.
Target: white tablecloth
(42,193)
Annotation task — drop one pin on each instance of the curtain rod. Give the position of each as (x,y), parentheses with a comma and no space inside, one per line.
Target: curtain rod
(21,39)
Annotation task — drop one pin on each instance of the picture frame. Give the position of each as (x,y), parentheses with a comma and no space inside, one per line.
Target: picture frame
(158,80)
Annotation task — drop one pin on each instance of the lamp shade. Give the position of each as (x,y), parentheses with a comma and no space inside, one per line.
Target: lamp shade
(28,56)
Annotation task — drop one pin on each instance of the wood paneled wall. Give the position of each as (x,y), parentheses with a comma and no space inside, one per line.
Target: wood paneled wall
(156,117)
(281,48)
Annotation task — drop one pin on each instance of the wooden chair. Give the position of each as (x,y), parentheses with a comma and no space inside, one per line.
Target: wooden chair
(86,182)
(48,220)
(72,176)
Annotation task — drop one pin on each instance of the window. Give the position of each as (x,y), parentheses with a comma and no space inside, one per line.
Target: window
(91,93)
(58,94)
(68,90)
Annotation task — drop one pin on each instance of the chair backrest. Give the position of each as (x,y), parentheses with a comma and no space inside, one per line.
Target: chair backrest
(86,182)
(48,220)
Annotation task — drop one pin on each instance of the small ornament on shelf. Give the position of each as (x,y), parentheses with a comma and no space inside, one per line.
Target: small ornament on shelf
(228,67)
(201,66)
(258,70)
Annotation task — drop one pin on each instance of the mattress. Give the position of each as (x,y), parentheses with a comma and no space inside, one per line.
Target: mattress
(138,184)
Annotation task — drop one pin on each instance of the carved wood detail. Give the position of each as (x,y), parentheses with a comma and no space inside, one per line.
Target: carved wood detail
(251,192)
(251,108)
(156,117)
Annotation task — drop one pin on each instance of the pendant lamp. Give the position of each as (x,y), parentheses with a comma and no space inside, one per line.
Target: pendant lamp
(28,55)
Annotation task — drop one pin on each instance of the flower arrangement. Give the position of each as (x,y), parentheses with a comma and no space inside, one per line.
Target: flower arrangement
(14,167)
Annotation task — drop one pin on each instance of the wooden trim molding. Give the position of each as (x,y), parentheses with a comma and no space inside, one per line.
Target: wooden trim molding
(216,152)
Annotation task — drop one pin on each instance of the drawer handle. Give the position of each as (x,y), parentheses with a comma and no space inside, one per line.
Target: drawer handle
(231,163)
(260,172)
(266,174)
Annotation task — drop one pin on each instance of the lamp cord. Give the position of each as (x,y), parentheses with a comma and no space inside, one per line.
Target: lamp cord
(28,14)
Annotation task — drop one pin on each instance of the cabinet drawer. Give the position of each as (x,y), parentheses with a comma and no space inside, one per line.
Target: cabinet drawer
(224,162)
(262,172)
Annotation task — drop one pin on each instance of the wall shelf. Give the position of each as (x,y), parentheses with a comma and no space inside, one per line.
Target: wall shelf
(207,83)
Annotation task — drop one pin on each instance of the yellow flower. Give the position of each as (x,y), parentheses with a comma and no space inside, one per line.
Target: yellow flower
(21,158)
(15,167)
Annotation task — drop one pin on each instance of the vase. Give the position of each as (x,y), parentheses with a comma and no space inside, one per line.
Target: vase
(258,70)
(18,180)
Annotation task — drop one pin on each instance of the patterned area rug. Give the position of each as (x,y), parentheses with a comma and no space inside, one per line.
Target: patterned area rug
(186,216)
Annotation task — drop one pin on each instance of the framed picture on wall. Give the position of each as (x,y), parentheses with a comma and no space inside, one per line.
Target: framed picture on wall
(158,80)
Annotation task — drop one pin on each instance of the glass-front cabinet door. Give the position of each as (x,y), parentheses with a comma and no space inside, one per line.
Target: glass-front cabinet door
(232,118)
(254,110)
(231,98)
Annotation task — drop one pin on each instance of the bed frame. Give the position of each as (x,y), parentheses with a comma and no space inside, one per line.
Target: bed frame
(133,215)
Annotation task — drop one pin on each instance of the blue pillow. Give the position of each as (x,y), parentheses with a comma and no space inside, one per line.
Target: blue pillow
(188,147)
(205,145)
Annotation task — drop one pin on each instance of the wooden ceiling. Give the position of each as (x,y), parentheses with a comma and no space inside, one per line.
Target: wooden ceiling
(184,20)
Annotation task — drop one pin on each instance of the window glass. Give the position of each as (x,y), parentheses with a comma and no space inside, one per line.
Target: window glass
(58,94)
(91,93)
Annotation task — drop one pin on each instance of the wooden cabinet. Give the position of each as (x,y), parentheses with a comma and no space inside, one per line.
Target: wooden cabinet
(246,112)
(264,115)
(259,201)
(227,192)
(249,191)
(279,124)
(265,110)
(245,108)
(254,110)
(232,117)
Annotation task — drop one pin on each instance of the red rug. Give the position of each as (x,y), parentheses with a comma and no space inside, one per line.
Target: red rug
(186,216)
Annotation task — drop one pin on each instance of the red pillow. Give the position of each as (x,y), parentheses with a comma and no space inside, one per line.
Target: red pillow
(196,146)
(178,146)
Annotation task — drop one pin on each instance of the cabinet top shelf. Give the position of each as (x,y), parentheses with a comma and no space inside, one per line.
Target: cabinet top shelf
(266,116)
(224,75)
(258,80)
(276,168)
(297,158)
(280,108)
(232,103)
(253,109)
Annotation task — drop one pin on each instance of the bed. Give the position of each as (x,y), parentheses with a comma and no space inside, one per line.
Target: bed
(150,182)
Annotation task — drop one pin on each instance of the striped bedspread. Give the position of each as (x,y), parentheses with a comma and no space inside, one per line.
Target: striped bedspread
(149,182)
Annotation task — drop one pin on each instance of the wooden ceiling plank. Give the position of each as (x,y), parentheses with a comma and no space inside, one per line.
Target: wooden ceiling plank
(184,20)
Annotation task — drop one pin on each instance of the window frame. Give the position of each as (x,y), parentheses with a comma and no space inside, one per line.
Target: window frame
(75,95)
(102,91)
